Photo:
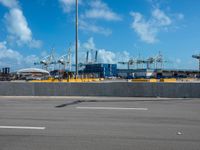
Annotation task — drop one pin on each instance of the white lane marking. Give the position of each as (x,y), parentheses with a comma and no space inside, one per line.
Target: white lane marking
(111,108)
(22,127)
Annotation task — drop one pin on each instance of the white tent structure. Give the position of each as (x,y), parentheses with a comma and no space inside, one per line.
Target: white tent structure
(33,73)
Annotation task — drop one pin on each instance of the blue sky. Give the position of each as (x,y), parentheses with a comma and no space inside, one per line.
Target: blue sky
(118,29)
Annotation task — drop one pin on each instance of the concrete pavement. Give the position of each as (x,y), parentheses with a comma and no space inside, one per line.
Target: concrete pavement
(165,123)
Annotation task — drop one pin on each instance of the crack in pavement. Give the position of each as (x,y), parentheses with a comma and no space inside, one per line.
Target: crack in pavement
(70,103)
(151,100)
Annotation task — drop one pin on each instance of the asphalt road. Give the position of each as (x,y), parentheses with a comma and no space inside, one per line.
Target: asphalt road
(99,124)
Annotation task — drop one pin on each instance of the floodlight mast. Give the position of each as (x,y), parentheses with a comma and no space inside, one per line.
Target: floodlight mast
(76,28)
(197,57)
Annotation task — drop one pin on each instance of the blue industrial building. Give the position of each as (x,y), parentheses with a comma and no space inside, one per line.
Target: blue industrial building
(101,70)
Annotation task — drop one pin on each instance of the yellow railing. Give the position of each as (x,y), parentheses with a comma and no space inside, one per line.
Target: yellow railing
(144,80)
(154,80)
(168,80)
(69,80)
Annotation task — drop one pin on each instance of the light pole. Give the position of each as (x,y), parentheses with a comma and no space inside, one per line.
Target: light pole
(198,58)
(76,28)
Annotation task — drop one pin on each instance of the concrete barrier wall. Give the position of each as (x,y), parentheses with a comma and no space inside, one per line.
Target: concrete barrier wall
(114,89)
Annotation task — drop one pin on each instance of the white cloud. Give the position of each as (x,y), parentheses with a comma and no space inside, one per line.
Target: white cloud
(148,30)
(161,19)
(12,58)
(100,10)
(108,56)
(89,44)
(97,10)
(105,56)
(89,27)
(9,56)
(17,25)
(143,28)
(123,56)
(9,3)
(67,5)
(35,43)
(94,10)
(29,60)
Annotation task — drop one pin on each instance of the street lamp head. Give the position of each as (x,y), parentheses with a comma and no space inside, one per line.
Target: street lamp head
(196,56)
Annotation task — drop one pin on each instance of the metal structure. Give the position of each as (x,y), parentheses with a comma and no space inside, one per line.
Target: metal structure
(160,61)
(198,58)
(149,61)
(128,63)
(93,57)
(76,59)
(139,61)
(88,61)
(157,61)
(5,74)
(87,57)
(65,60)
(47,61)
(96,56)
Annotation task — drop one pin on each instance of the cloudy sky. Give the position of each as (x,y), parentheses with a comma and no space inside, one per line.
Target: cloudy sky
(119,29)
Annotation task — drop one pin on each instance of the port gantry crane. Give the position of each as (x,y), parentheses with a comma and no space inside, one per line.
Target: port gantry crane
(198,58)
(128,63)
(93,59)
(138,61)
(158,62)
(65,60)
(91,53)
(149,61)
(47,61)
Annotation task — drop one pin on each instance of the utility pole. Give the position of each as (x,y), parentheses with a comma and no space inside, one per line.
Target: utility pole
(76,28)
(197,57)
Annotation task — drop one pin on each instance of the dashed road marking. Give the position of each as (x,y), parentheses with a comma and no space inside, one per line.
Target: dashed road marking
(111,108)
(22,127)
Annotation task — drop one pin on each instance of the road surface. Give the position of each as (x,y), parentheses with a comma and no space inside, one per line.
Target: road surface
(75,123)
